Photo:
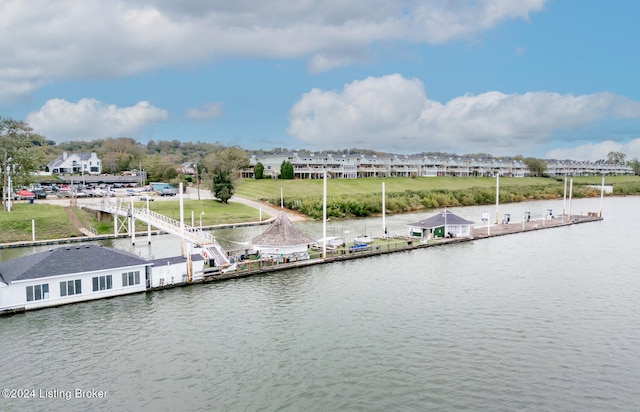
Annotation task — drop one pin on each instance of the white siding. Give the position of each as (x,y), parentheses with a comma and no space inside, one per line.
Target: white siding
(173,274)
(14,295)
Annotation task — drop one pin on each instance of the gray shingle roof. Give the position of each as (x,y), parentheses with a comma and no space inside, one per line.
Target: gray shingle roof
(175,260)
(61,159)
(282,233)
(67,260)
(439,220)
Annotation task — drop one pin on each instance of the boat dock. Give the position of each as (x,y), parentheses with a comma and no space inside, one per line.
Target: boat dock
(381,246)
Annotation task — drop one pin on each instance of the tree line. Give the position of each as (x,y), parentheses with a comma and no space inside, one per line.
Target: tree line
(23,152)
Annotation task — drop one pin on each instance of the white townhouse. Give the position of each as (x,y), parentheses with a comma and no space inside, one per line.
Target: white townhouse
(72,274)
(350,166)
(82,162)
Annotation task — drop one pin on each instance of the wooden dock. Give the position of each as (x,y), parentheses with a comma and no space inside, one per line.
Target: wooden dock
(398,244)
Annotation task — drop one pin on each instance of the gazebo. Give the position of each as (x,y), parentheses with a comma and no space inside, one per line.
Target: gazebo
(444,224)
(282,241)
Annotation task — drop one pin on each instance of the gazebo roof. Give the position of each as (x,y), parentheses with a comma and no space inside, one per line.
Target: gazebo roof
(439,220)
(282,232)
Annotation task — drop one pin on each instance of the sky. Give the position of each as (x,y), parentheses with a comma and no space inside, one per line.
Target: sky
(555,79)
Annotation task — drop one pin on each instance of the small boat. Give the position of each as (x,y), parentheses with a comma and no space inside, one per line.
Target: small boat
(363,239)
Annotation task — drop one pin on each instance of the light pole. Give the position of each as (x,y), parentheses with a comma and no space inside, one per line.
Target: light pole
(201,214)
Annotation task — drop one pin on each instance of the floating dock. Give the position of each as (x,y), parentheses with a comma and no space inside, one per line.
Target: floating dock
(382,246)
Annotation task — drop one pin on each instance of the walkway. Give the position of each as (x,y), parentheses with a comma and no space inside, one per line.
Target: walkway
(196,236)
(269,208)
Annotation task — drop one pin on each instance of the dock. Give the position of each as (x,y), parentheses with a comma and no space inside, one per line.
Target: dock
(395,244)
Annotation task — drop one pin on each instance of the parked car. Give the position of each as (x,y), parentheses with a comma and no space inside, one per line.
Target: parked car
(168,192)
(39,193)
(145,198)
(24,195)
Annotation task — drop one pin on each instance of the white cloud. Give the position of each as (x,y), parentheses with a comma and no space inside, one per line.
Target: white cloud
(208,111)
(90,119)
(394,113)
(462,20)
(596,151)
(43,41)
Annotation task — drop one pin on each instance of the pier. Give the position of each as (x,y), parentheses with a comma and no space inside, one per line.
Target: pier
(381,246)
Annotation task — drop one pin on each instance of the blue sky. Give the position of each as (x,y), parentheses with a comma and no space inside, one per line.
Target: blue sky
(542,78)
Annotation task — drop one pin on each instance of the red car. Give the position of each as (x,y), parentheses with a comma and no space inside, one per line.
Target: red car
(24,195)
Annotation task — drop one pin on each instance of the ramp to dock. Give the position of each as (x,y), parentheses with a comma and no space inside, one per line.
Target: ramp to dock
(196,236)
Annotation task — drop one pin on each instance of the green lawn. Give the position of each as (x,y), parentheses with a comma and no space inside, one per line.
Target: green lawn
(361,197)
(215,213)
(51,222)
(267,189)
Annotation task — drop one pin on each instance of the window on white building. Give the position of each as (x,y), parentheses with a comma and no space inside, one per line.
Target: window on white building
(37,292)
(71,287)
(102,283)
(131,278)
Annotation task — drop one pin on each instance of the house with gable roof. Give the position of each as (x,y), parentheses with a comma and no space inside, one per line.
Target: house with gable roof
(444,224)
(82,162)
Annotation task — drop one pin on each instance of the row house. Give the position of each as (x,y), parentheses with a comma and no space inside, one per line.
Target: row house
(561,168)
(313,165)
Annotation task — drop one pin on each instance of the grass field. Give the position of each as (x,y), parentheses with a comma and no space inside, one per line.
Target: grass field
(361,197)
(51,221)
(215,213)
(267,189)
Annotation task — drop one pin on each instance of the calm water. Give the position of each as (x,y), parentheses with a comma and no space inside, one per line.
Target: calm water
(548,320)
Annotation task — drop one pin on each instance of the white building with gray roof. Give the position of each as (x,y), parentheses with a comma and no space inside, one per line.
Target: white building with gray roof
(82,162)
(72,274)
(444,224)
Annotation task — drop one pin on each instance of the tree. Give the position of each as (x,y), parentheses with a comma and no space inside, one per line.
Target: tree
(616,158)
(258,171)
(159,168)
(223,165)
(121,154)
(229,159)
(286,170)
(222,186)
(536,167)
(635,165)
(22,152)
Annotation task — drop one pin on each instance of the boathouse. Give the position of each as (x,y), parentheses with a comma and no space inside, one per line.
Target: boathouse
(79,273)
(70,274)
(283,241)
(444,224)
